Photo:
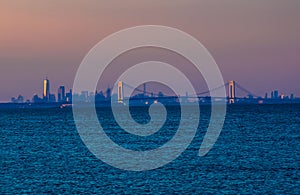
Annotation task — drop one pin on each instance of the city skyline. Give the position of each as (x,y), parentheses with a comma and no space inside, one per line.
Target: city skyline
(46,90)
(65,96)
(256,43)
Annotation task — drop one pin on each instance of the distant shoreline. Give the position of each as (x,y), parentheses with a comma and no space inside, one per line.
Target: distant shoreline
(67,105)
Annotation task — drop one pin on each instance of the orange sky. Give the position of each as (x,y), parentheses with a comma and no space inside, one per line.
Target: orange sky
(256,42)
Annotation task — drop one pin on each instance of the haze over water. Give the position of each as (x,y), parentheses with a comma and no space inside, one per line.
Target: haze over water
(255,43)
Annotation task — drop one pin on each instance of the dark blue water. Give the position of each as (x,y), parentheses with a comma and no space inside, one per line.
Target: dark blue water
(257,152)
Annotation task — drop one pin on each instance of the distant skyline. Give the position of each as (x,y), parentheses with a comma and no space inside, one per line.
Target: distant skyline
(256,43)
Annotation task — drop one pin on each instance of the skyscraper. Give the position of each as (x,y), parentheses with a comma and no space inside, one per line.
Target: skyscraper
(108,93)
(69,96)
(46,91)
(61,95)
(276,96)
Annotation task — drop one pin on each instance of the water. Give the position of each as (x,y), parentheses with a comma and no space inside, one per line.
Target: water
(257,152)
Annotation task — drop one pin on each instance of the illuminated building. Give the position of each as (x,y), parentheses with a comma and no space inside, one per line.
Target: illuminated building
(46,90)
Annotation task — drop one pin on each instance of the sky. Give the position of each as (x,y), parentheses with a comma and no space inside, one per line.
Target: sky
(256,42)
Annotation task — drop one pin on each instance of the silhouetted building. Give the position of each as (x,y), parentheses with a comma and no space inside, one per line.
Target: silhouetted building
(292,96)
(276,94)
(52,98)
(19,99)
(272,95)
(108,93)
(266,96)
(160,94)
(13,100)
(36,99)
(99,97)
(61,95)
(69,96)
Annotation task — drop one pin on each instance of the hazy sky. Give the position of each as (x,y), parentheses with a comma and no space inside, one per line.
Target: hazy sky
(256,43)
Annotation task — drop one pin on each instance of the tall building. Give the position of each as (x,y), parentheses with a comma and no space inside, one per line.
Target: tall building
(276,96)
(46,90)
(61,94)
(108,93)
(36,99)
(69,96)
(272,94)
(20,99)
(52,98)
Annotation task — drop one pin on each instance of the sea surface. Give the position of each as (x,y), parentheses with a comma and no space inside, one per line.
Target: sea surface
(258,152)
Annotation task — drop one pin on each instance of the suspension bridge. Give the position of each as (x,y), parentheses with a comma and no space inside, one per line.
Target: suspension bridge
(232,87)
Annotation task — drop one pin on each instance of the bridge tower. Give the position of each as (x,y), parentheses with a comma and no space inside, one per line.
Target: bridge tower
(120,92)
(231,92)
